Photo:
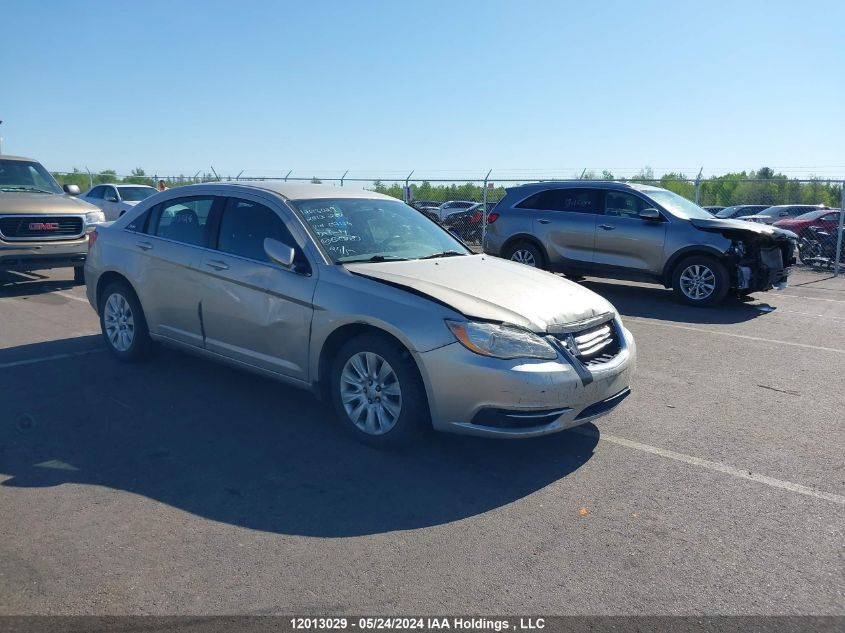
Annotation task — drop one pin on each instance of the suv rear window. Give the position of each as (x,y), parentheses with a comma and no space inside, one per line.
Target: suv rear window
(572,200)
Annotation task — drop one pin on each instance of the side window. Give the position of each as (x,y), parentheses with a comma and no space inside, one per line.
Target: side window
(623,205)
(244,226)
(184,220)
(96,193)
(571,200)
(109,193)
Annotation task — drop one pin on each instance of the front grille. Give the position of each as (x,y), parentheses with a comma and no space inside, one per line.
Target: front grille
(40,227)
(593,345)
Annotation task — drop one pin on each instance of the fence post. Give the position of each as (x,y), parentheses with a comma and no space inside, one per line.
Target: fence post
(288,174)
(406,192)
(698,187)
(90,179)
(836,254)
(343,176)
(238,177)
(484,210)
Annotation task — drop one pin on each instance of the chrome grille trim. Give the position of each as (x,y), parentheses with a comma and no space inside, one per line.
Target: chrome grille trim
(67,232)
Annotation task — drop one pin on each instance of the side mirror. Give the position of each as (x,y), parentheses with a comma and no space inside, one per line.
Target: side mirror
(71,190)
(652,215)
(280,253)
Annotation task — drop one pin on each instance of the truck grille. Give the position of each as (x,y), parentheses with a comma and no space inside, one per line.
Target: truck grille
(593,345)
(40,227)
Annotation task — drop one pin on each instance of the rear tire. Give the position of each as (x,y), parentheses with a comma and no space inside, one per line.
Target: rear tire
(123,323)
(526,253)
(700,281)
(79,274)
(377,392)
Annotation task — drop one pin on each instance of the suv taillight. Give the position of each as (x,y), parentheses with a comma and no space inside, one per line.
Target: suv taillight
(492,218)
(92,237)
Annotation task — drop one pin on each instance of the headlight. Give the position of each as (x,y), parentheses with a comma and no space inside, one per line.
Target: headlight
(500,341)
(94,217)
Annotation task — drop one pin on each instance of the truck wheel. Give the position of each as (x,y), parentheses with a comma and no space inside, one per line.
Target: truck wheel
(700,281)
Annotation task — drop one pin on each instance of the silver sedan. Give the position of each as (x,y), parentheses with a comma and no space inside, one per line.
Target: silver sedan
(362,300)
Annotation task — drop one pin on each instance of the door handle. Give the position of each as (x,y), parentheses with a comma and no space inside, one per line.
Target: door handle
(544,221)
(216,264)
(607,227)
(144,246)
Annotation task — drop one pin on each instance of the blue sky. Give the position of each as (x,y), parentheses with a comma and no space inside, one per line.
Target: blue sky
(453,87)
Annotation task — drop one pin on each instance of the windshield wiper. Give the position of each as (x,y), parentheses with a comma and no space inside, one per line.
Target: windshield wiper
(444,254)
(24,188)
(374,258)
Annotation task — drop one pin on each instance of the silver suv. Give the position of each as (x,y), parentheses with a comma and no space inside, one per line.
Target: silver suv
(640,233)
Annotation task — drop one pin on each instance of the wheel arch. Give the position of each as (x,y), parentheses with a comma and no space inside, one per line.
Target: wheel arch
(108,277)
(347,332)
(524,237)
(689,251)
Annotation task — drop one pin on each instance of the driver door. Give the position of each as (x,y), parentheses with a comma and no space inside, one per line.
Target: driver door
(626,245)
(254,310)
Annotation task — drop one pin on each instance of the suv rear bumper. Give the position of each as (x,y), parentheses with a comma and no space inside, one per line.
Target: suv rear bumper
(41,255)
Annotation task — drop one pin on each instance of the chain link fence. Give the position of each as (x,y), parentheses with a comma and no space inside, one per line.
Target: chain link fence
(810,207)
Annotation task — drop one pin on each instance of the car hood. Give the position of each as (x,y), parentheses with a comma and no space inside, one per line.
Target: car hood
(42,204)
(493,289)
(721,225)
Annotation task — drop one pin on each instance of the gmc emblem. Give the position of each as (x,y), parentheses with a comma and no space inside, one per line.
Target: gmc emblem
(43,226)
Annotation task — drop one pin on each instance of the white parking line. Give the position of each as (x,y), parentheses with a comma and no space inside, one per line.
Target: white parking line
(809,298)
(722,468)
(46,359)
(745,336)
(70,296)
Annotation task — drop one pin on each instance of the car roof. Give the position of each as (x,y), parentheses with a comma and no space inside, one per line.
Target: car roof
(297,191)
(19,158)
(594,184)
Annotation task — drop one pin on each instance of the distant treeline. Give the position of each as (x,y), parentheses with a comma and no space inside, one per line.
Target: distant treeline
(762,186)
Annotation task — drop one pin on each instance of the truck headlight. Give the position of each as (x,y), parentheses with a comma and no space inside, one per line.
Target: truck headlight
(94,217)
(500,341)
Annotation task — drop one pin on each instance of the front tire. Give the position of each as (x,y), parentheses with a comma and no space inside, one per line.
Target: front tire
(700,281)
(123,323)
(525,253)
(377,392)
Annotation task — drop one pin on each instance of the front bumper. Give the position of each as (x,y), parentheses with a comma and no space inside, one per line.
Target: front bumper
(41,255)
(477,395)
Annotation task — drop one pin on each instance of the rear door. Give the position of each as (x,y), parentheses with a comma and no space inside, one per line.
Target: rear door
(253,310)
(168,278)
(564,220)
(626,245)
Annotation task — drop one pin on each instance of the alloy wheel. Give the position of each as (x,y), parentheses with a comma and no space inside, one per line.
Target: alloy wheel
(119,322)
(523,256)
(370,393)
(697,282)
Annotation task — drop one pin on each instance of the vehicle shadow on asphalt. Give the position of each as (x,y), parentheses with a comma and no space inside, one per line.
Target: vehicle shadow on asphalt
(659,303)
(13,284)
(247,451)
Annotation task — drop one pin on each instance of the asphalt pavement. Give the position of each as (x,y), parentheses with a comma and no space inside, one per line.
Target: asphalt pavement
(179,486)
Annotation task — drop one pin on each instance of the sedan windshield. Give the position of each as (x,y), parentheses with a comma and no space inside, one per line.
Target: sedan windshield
(136,194)
(677,205)
(375,230)
(26,176)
